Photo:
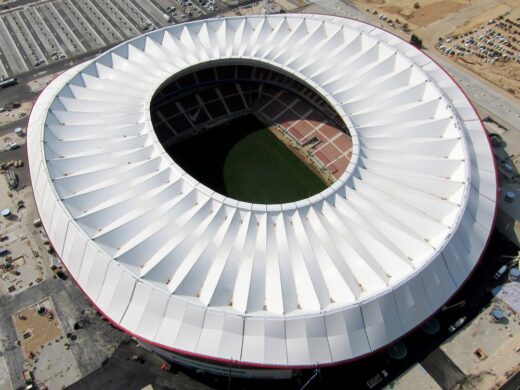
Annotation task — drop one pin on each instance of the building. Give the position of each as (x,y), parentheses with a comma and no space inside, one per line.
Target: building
(259,290)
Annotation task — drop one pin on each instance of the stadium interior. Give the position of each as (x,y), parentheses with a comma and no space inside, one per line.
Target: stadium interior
(212,97)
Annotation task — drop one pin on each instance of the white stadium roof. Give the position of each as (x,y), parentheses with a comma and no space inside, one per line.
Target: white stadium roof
(319,281)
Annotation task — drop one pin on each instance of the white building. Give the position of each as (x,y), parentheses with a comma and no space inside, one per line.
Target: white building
(225,283)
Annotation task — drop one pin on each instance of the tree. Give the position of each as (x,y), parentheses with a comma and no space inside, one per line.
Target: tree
(416,41)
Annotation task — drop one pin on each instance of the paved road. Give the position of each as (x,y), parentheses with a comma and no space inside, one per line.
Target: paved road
(18,3)
(120,372)
(8,129)
(513,383)
(442,369)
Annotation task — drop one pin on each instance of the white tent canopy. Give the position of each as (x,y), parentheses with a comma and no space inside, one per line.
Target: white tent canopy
(318,281)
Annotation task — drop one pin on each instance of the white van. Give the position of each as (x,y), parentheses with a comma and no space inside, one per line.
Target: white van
(501,271)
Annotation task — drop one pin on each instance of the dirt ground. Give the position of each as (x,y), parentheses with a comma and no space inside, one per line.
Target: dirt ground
(407,11)
(42,329)
(16,113)
(435,19)
(504,75)
(39,84)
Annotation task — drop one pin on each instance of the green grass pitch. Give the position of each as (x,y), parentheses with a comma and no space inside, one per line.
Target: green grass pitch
(243,160)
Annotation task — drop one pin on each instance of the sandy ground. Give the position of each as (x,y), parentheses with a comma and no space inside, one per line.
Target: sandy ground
(38,85)
(444,18)
(55,366)
(22,239)
(51,362)
(497,343)
(42,329)
(428,11)
(15,114)
(415,378)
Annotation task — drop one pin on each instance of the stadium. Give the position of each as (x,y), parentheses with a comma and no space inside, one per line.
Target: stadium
(254,195)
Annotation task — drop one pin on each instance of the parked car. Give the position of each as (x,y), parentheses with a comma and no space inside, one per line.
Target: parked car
(377,379)
(457,324)
(44,237)
(11,146)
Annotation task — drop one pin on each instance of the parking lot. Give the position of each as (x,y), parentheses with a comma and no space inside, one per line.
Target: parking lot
(39,34)
(489,44)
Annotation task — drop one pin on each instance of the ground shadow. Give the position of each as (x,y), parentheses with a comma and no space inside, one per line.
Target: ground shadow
(204,155)
(243,160)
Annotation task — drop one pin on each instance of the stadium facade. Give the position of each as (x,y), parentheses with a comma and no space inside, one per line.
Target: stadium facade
(259,290)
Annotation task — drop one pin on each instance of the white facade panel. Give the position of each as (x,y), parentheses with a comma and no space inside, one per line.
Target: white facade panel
(190,329)
(87,263)
(231,342)
(382,321)
(97,274)
(298,348)
(438,282)
(153,314)
(58,230)
(254,344)
(136,309)
(346,334)
(113,281)
(171,322)
(74,250)
(264,340)
(412,303)
(39,179)
(211,335)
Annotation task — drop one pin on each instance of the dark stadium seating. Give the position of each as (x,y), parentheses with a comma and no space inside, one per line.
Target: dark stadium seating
(208,96)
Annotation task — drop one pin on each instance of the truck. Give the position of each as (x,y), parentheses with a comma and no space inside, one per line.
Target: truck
(457,324)
(28,377)
(8,83)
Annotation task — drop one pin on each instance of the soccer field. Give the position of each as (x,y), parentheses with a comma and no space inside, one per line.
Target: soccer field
(244,160)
